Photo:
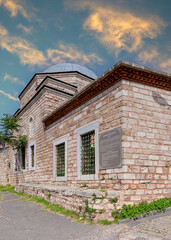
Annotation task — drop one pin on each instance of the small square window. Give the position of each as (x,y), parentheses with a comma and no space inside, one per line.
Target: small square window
(60,159)
(32,156)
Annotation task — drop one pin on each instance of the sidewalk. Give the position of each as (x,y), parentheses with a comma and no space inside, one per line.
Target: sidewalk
(21,220)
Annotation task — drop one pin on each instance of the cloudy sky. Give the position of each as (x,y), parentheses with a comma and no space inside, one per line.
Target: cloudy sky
(97,34)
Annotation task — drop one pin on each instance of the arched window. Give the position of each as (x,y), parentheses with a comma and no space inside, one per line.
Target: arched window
(31,127)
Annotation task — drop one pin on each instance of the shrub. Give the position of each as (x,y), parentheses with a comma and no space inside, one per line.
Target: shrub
(143,208)
(113,200)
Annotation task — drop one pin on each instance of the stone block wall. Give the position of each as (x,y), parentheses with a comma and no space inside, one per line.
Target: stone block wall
(29,93)
(73,78)
(6,168)
(146,142)
(75,199)
(106,110)
(144,115)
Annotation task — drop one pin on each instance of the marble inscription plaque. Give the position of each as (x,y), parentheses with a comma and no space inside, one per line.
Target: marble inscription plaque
(110,151)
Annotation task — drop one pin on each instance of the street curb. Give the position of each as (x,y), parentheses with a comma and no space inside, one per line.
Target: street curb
(148,216)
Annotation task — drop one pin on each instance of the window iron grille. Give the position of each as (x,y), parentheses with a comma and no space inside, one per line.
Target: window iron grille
(16,156)
(60,155)
(88,153)
(23,158)
(32,156)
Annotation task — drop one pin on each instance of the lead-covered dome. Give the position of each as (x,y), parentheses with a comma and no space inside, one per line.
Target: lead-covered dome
(71,67)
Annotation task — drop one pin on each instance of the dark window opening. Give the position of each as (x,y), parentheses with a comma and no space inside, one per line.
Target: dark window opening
(32,156)
(16,158)
(23,158)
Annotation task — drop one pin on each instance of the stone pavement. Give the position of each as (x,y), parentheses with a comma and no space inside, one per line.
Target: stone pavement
(21,220)
(158,228)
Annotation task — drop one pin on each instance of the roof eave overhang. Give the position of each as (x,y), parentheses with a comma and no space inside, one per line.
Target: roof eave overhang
(120,71)
(67,72)
(38,94)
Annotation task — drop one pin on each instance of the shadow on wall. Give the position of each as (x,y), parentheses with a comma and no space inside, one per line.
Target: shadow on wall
(160,100)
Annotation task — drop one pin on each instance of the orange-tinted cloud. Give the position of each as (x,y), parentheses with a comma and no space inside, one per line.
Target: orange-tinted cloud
(166,65)
(9,78)
(9,96)
(14,7)
(148,55)
(71,53)
(28,54)
(25,50)
(25,29)
(117,29)
(155,57)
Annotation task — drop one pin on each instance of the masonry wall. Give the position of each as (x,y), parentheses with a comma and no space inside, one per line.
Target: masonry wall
(60,86)
(29,93)
(36,111)
(52,101)
(73,78)
(106,110)
(6,169)
(97,110)
(147,142)
(143,113)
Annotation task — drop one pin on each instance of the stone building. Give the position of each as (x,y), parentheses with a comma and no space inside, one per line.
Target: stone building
(113,131)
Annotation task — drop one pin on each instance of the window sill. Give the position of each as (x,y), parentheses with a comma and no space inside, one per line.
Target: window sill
(59,179)
(32,169)
(88,177)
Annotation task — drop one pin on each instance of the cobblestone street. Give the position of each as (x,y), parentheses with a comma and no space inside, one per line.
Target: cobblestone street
(155,229)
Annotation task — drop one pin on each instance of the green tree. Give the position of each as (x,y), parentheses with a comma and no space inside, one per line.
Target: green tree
(9,133)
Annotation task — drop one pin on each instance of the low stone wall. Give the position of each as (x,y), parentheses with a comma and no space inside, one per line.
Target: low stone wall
(75,199)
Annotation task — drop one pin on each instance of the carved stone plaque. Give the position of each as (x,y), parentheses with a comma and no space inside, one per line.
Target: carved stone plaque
(110,149)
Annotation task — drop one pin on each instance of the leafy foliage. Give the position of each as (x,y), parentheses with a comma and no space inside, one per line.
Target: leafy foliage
(21,142)
(105,222)
(84,185)
(89,210)
(143,208)
(9,132)
(113,200)
(95,197)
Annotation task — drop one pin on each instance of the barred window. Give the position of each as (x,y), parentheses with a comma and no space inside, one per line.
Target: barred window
(23,158)
(16,161)
(32,157)
(88,153)
(60,160)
